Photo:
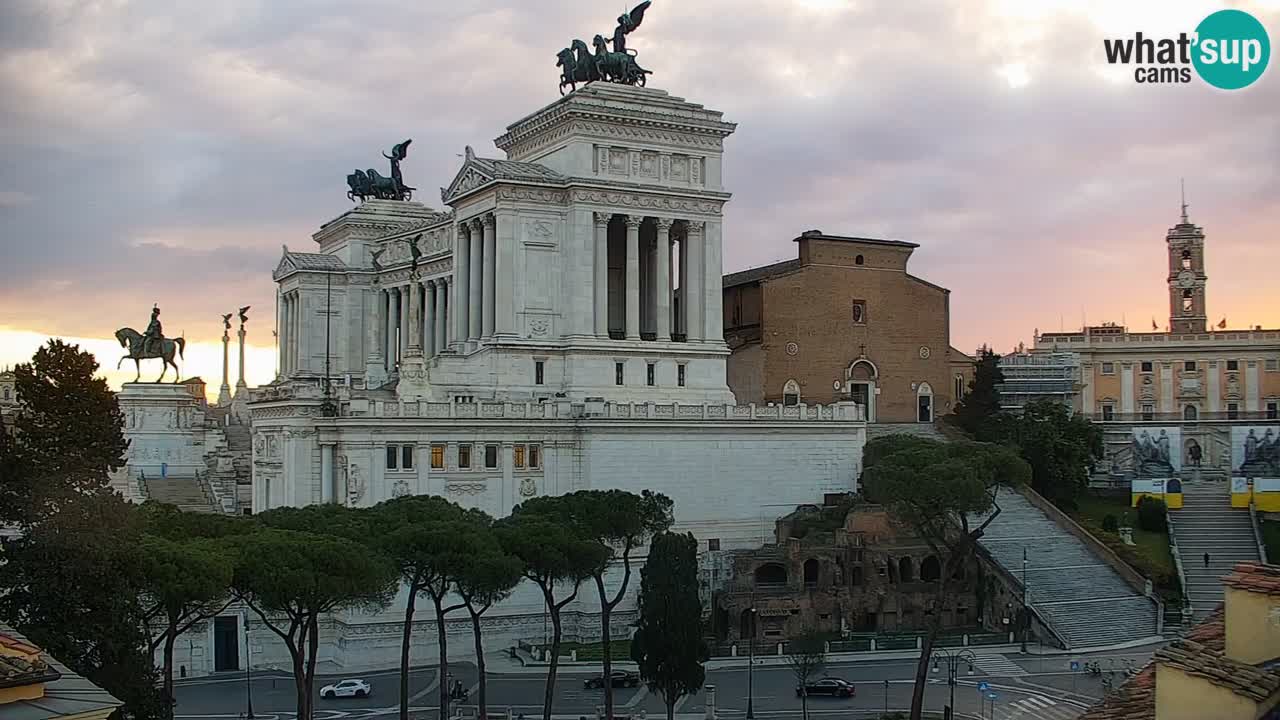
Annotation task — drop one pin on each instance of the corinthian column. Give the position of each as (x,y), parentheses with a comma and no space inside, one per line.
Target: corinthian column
(461,281)
(442,314)
(429,319)
(601,275)
(489,298)
(475,310)
(662,281)
(633,276)
(415,317)
(694,295)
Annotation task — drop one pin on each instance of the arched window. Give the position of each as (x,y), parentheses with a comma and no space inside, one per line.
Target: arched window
(857,260)
(1186,259)
(811,571)
(904,570)
(1188,301)
(930,569)
(791,393)
(924,403)
(771,574)
(1190,412)
(959,387)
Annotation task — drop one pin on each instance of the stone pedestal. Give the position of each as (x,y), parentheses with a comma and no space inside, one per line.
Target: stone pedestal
(413,378)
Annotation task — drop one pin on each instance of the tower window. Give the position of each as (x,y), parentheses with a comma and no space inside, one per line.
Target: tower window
(1188,301)
(858,260)
(1189,366)
(859,312)
(1146,366)
(1233,364)
(1186,259)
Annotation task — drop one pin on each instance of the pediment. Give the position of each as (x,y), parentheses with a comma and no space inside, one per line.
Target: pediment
(470,176)
(285,266)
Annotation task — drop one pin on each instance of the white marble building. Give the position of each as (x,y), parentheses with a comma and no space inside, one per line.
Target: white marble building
(562,330)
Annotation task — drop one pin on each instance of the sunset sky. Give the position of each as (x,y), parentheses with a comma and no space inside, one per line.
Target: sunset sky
(154,151)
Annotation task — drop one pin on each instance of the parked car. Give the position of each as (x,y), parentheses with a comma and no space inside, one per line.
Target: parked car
(352,687)
(832,687)
(620,678)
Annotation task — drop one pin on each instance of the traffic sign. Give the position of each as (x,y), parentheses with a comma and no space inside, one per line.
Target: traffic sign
(991,696)
(1075,665)
(984,686)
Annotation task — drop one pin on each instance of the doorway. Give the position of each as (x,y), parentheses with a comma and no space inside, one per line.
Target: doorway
(226,643)
(924,403)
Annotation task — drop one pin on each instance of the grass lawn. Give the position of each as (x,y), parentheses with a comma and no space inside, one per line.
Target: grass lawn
(1271,539)
(594,651)
(1150,554)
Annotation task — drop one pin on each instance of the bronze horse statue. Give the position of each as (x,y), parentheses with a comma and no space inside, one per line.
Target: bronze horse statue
(132,340)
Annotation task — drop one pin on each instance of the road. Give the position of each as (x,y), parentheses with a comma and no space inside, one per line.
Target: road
(1026,688)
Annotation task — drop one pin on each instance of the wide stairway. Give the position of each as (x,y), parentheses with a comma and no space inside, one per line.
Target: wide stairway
(1207,523)
(188,493)
(1085,602)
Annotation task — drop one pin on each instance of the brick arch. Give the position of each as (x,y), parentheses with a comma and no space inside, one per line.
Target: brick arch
(863,369)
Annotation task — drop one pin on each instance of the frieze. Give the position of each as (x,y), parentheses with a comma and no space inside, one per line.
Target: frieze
(647,202)
(427,271)
(473,488)
(532,194)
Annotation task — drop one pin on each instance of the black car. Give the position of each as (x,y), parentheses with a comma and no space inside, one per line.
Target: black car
(621,678)
(833,687)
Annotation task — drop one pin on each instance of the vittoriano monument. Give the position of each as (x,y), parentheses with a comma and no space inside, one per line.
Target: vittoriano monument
(365,184)
(578,65)
(150,344)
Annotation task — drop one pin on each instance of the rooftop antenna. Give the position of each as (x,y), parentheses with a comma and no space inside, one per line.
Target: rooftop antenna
(1183,182)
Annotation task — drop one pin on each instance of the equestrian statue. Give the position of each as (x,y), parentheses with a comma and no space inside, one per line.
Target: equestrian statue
(365,184)
(579,65)
(150,344)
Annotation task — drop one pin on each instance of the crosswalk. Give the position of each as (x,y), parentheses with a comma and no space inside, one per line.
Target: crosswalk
(997,664)
(1036,707)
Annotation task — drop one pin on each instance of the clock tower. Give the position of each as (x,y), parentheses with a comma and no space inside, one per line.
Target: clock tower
(1187,312)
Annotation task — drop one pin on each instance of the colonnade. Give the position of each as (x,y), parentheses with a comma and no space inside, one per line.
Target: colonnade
(676,252)
(409,318)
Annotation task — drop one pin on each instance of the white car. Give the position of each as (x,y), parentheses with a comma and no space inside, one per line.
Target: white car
(347,688)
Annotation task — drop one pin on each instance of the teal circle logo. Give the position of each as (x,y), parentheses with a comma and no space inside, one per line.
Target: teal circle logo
(1232,49)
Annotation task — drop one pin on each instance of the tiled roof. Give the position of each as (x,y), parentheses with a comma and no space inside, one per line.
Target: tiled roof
(21,663)
(65,693)
(765,271)
(1254,577)
(316,261)
(516,170)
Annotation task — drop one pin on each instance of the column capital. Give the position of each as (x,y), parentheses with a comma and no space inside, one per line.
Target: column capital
(633,221)
(489,220)
(602,219)
(476,224)
(695,227)
(664,224)
(462,229)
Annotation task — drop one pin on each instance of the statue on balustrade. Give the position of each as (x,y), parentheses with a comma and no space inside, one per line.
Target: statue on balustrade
(365,184)
(578,65)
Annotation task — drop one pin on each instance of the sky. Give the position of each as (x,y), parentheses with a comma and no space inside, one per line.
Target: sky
(161,151)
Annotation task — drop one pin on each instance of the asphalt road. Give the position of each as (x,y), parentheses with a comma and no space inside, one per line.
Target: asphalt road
(1026,688)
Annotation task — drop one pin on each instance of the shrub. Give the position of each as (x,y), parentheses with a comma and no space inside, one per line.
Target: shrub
(1110,524)
(1151,514)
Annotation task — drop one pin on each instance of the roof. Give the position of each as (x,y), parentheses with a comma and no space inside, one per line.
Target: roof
(819,235)
(760,273)
(65,693)
(1254,577)
(479,171)
(316,261)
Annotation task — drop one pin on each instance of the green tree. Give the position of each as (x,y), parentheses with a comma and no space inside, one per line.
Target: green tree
(488,577)
(934,489)
(621,522)
(551,553)
(70,583)
(428,539)
(806,656)
(290,579)
(981,404)
(1059,445)
(68,435)
(668,642)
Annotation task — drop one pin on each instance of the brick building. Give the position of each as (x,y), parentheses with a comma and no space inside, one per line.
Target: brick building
(844,321)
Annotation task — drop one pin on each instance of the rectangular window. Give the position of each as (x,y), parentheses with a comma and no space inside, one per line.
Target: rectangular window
(393,455)
(1147,366)
(713,544)
(1108,368)
(437,457)
(1189,366)
(538,367)
(1233,364)
(1108,413)
(648,374)
(464,457)
(1273,411)
(1233,411)
(534,452)
(617,373)
(1148,412)
(464,399)
(680,375)
(859,312)
(517,456)
(491,456)
(406,457)
(1273,364)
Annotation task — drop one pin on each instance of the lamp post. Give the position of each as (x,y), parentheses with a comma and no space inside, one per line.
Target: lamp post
(751,660)
(952,661)
(248,671)
(1026,614)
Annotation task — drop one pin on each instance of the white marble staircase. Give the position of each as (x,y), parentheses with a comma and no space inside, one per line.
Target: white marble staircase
(1207,523)
(188,493)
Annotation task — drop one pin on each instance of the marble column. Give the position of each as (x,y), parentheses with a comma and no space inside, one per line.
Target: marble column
(475,306)
(414,289)
(284,334)
(601,275)
(389,341)
(662,281)
(633,276)
(429,319)
(694,277)
(279,334)
(373,336)
(488,296)
(394,307)
(504,263)
(224,391)
(712,292)
(405,323)
(462,282)
(240,383)
(443,310)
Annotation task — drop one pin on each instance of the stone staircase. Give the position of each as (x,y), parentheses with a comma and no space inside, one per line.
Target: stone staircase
(188,493)
(1083,599)
(1207,523)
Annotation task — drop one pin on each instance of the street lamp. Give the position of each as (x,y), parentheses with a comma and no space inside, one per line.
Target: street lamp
(751,659)
(248,671)
(952,661)
(1026,615)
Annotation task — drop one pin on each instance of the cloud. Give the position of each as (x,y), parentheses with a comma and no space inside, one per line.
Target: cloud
(160,152)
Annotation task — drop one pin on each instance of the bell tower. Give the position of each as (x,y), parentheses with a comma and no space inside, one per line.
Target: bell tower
(1187,311)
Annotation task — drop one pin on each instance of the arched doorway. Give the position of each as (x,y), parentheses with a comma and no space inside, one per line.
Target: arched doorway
(930,569)
(862,377)
(771,574)
(924,403)
(791,393)
(811,571)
